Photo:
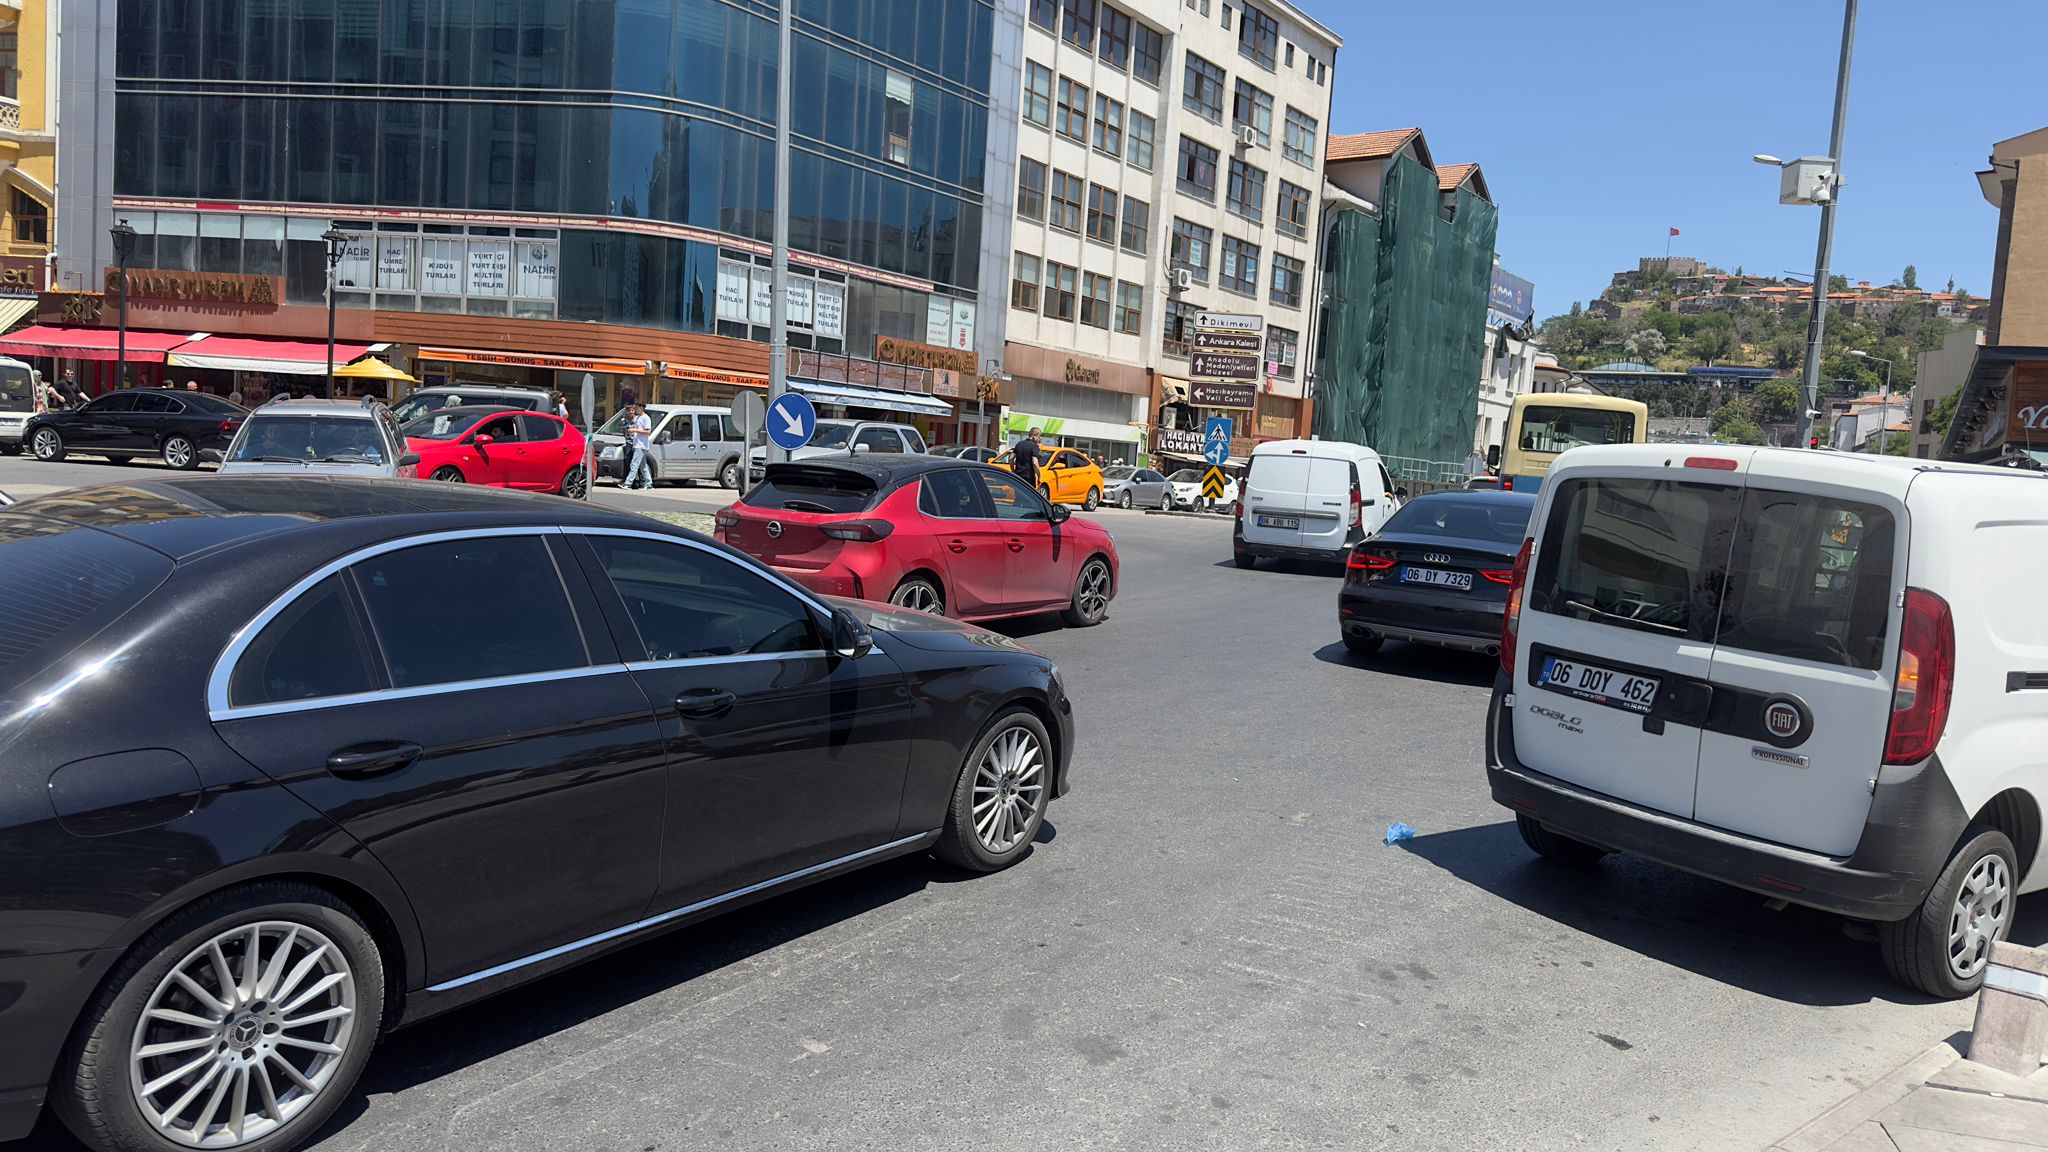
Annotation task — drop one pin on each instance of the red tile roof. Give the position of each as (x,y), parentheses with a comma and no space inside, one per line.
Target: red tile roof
(1371,145)
(1451,175)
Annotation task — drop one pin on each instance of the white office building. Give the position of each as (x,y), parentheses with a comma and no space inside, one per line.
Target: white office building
(1154,138)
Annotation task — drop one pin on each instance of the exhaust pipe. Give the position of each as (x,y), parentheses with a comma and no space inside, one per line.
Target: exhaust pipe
(1493,650)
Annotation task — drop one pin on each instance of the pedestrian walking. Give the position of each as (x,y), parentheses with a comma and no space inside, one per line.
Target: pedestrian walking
(1027,456)
(73,396)
(640,433)
(561,403)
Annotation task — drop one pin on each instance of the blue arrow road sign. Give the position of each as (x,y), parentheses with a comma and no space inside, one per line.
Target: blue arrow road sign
(1216,440)
(791,420)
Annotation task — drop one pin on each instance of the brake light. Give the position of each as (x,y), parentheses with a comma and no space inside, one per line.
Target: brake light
(1499,575)
(230,425)
(862,531)
(1357,506)
(1507,483)
(726,518)
(1926,680)
(1511,619)
(1717,463)
(1369,561)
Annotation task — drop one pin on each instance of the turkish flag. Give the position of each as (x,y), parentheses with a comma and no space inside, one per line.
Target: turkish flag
(1674,231)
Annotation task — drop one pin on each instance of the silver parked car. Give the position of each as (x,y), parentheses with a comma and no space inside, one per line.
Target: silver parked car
(319,437)
(1128,487)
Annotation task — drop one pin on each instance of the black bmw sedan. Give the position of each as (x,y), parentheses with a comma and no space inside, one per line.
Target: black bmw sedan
(1437,573)
(288,762)
(162,422)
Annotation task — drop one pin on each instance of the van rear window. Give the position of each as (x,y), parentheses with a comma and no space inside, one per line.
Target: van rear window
(1811,579)
(797,489)
(1642,554)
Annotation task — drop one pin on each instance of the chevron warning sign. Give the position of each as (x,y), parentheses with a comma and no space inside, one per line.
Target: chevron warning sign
(1212,484)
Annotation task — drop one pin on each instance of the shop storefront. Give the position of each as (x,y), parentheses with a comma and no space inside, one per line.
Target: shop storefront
(1098,406)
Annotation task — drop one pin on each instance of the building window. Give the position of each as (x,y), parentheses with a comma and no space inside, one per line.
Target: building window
(1109,126)
(1299,145)
(1191,248)
(1246,193)
(31,219)
(1291,215)
(1258,37)
(1095,300)
(1286,281)
(1137,226)
(1226,17)
(1046,14)
(1024,283)
(1038,93)
(1197,174)
(1130,307)
(1071,117)
(899,96)
(1253,106)
(1202,89)
(1059,291)
(1281,352)
(1289,62)
(1148,54)
(1322,73)
(1239,271)
(1180,323)
(1030,189)
(1141,140)
(1102,213)
(1114,44)
(1066,202)
(1079,29)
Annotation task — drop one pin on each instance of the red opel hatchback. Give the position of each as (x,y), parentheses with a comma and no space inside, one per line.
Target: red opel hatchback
(930,533)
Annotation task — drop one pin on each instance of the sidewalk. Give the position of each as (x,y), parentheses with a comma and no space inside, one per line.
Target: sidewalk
(1939,1102)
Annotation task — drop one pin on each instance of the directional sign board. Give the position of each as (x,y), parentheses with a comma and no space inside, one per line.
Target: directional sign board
(747,411)
(1226,349)
(1216,439)
(791,420)
(1212,484)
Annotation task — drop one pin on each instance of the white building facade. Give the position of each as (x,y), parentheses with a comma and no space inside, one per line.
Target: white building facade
(1153,137)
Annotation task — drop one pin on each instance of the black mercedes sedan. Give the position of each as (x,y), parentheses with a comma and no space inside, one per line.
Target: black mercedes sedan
(164,422)
(1437,573)
(287,762)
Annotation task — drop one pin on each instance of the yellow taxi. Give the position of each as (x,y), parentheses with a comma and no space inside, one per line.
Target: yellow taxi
(1065,476)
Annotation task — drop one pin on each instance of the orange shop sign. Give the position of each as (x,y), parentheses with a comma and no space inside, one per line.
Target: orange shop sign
(536,360)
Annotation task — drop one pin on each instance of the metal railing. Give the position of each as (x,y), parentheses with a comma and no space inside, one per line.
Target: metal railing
(10,114)
(1426,471)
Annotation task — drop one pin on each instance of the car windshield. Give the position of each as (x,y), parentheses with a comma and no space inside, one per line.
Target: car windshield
(616,426)
(17,393)
(445,425)
(420,403)
(1120,472)
(1186,476)
(831,436)
(1502,521)
(303,438)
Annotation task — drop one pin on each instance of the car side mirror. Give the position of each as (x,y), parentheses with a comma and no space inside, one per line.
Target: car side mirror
(862,449)
(1493,455)
(480,441)
(851,639)
(665,437)
(409,460)
(1060,514)
(211,455)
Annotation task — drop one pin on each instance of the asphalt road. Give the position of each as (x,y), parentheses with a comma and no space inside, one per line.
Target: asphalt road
(1210,947)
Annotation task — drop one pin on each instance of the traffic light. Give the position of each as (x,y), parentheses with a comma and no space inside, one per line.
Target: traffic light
(1813,442)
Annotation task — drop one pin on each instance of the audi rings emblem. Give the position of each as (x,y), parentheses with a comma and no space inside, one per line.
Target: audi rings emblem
(775,529)
(1436,558)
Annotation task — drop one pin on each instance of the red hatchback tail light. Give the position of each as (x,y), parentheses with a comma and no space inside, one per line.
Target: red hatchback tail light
(1511,619)
(861,531)
(1926,679)
(725,520)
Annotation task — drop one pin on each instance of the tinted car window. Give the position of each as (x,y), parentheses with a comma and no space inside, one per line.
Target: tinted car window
(1811,579)
(445,425)
(156,404)
(879,440)
(1502,522)
(61,586)
(470,610)
(1012,500)
(539,428)
(504,429)
(107,405)
(954,494)
(1643,554)
(302,438)
(688,604)
(315,648)
(812,490)
(210,404)
(709,429)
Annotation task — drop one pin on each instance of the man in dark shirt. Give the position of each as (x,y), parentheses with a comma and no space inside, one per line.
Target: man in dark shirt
(1027,459)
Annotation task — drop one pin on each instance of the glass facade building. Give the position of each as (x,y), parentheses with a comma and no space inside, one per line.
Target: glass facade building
(592,160)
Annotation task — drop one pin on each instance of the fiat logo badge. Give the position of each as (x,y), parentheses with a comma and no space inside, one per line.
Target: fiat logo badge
(775,529)
(1782,719)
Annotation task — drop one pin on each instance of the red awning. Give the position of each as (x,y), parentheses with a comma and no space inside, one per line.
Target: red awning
(66,342)
(264,354)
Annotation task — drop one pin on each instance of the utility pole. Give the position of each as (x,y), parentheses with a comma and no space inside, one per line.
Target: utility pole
(1810,390)
(778,309)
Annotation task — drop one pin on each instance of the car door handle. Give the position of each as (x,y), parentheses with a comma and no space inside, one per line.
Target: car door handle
(705,703)
(1016,545)
(374,759)
(956,545)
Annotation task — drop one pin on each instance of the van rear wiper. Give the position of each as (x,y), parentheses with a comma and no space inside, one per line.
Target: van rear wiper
(1632,621)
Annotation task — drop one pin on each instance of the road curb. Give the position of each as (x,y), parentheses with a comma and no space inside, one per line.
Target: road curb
(1837,1122)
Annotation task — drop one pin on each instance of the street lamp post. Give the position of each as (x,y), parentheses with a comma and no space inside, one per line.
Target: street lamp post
(991,374)
(337,244)
(1884,421)
(124,247)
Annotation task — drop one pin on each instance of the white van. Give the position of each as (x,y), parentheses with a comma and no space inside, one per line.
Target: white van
(1311,500)
(1820,677)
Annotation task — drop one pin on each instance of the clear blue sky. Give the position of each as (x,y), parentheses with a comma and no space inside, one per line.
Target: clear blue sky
(1600,124)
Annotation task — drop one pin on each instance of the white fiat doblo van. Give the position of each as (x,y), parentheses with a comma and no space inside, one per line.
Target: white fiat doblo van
(1819,677)
(1311,500)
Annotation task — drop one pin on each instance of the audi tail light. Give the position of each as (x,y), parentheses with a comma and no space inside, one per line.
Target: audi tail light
(1926,679)
(1362,560)
(859,531)
(1511,620)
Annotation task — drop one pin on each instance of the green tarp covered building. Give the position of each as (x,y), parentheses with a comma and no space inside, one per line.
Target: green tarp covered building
(1407,265)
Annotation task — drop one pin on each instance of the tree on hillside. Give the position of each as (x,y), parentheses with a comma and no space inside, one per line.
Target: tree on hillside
(1713,342)
(1777,401)
(1898,444)
(1838,283)
(1786,351)
(1742,431)
(1645,344)
(1667,323)
(1910,278)
(1944,413)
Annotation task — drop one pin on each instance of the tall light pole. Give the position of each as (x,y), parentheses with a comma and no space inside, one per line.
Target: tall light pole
(1884,421)
(124,247)
(992,374)
(778,308)
(337,244)
(1810,390)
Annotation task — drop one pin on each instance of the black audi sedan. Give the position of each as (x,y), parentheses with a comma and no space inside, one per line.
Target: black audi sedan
(1437,573)
(120,426)
(287,762)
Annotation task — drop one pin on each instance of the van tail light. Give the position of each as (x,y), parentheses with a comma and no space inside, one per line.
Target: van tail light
(1511,620)
(1357,506)
(862,531)
(1927,673)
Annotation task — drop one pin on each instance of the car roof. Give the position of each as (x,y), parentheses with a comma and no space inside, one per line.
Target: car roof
(459,388)
(1482,496)
(884,468)
(478,410)
(694,409)
(350,409)
(1327,449)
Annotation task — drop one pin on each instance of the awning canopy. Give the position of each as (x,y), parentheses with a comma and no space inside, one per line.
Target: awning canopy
(13,308)
(263,354)
(854,395)
(68,343)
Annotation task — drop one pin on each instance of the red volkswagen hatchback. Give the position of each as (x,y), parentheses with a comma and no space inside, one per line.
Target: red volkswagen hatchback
(935,534)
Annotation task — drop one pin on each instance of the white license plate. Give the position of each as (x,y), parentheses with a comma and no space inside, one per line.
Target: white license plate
(1462,581)
(1279,521)
(1600,685)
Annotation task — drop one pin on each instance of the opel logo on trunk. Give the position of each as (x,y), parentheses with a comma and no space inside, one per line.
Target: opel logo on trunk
(775,529)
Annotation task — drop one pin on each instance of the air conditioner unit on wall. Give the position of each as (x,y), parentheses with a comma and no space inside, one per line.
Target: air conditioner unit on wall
(1246,136)
(1182,279)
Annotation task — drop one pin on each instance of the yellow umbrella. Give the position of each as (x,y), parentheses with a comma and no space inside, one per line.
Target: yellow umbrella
(371,368)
